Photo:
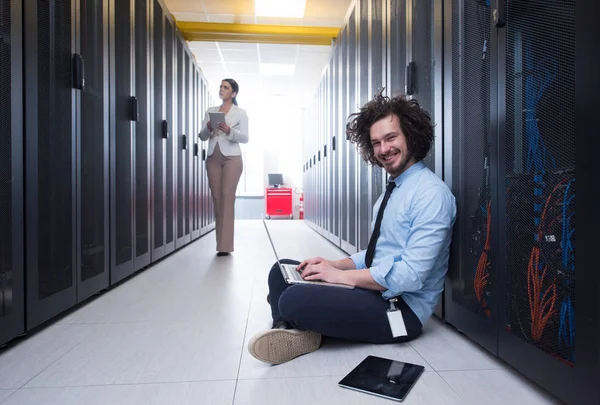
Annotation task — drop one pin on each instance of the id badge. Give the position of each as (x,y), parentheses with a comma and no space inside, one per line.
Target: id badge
(396,320)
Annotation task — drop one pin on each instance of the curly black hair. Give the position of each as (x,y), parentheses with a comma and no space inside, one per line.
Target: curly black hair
(415,123)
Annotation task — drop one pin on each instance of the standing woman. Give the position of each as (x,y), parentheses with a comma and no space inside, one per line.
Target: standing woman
(224,164)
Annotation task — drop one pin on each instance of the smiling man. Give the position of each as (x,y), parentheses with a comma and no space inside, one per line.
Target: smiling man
(402,268)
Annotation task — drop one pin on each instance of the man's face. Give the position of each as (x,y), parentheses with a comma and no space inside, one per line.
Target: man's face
(389,145)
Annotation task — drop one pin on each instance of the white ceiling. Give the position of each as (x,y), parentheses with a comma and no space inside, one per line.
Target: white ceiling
(241,61)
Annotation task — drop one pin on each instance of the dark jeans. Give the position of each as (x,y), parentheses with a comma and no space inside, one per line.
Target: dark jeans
(357,314)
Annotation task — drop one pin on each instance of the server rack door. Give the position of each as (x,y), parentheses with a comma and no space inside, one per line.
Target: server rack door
(377,63)
(336,137)
(171,142)
(204,185)
(541,331)
(364,208)
(195,154)
(189,146)
(142,135)
(343,143)
(469,298)
(329,152)
(122,141)
(93,204)
(160,133)
(396,47)
(180,145)
(425,52)
(12,316)
(321,194)
(50,158)
(353,157)
(422,55)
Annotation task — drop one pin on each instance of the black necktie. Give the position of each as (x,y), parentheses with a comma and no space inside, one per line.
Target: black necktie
(373,241)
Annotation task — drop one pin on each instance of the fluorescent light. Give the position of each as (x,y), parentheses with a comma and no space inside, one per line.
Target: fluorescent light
(277,69)
(279,8)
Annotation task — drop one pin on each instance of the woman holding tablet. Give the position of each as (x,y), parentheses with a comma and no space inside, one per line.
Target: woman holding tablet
(224,163)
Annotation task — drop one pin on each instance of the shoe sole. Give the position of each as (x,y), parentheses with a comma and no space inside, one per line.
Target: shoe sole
(277,346)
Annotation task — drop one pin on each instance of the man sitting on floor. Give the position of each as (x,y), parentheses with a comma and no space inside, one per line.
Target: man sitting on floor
(407,256)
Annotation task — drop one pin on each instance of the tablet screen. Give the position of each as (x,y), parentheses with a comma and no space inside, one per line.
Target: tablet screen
(383,377)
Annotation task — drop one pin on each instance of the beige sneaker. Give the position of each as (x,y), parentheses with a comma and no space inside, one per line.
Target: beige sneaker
(277,346)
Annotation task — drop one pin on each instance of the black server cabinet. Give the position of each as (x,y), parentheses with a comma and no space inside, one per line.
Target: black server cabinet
(343,143)
(12,316)
(353,158)
(329,152)
(188,145)
(377,73)
(336,136)
(194,144)
(363,192)
(424,69)
(182,146)
(547,282)
(50,158)
(124,114)
(470,298)
(130,141)
(160,134)
(172,139)
(196,159)
(93,259)
(424,51)
(395,65)
(142,135)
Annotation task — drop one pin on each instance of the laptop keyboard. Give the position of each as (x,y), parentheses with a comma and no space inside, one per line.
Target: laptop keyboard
(290,269)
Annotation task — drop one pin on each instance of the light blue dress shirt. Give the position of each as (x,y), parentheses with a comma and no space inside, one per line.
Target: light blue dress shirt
(411,254)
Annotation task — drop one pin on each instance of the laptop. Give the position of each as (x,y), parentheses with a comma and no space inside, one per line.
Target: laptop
(293,276)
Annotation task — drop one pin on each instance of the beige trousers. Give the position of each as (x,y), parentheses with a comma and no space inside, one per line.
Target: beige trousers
(224,173)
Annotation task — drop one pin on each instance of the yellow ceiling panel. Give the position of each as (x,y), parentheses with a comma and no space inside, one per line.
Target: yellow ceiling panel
(254,33)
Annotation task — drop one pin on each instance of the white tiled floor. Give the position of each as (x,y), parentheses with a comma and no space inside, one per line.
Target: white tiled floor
(177,334)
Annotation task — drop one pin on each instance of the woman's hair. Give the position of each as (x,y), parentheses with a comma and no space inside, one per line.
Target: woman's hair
(415,123)
(235,87)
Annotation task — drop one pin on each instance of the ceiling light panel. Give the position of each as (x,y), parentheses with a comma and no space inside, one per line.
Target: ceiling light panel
(279,8)
(240,56)
(277,69)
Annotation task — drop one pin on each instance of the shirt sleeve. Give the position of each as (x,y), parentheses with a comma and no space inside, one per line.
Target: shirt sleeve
(359,260)
(204,133)
(240,133)
(432,218)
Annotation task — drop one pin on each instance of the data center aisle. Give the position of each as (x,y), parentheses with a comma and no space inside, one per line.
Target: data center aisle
(177,334)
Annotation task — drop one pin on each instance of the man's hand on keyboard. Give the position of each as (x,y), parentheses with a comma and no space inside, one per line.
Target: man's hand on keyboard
(312,262)
(323,272)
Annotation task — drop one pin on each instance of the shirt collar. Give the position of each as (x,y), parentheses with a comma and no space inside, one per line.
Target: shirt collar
(408,172)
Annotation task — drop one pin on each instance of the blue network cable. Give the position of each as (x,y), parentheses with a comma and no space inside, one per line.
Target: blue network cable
(566,331)
(536,83)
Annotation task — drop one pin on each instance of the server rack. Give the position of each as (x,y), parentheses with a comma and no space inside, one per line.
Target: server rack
(188,147)
(336,137)
(364,78)
(196,161)
(172,140)
(551,331)
(12,295)
(143,219)
(160,133)
(92,163)
(122,130)
(353,158)
(470,299)
(50,158)
(377,73)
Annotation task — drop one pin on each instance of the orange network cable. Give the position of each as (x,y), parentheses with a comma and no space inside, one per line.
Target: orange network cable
(482,274)
(540,309)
